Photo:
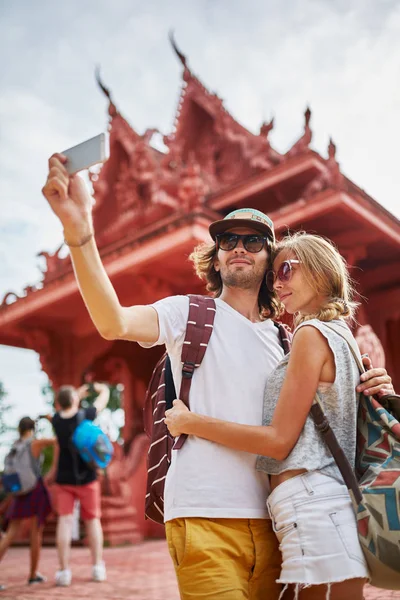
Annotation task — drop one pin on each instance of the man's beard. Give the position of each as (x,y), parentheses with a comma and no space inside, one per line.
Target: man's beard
(242,278)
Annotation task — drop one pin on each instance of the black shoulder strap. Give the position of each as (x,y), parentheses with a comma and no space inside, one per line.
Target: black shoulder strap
(199,328)
(80,416)
(170,392)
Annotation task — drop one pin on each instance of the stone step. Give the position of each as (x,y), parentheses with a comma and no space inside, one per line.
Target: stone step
(114,526)
(114,513)
(113,502)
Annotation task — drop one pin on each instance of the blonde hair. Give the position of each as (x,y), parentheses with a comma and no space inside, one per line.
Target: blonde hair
(326,272)
(203,257)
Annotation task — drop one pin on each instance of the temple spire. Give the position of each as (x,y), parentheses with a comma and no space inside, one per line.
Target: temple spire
(112,108)
(303,143)
(179,54)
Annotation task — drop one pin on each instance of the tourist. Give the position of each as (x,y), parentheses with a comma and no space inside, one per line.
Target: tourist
(34,505)
(310,505)
(77,480)
(219,534)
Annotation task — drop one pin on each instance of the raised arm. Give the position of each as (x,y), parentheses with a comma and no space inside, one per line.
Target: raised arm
(71,202)
(309,354)
(103,397)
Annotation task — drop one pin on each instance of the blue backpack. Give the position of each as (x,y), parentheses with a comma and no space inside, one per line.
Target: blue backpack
(92,444)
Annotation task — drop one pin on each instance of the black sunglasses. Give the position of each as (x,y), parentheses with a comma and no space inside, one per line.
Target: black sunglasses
(252,242)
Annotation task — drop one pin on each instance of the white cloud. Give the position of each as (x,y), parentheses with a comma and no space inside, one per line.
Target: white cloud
(22,379)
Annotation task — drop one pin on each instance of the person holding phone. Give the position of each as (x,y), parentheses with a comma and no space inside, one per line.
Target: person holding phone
(219,506)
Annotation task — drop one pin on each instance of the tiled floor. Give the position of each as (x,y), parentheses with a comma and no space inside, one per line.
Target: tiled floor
(142,572)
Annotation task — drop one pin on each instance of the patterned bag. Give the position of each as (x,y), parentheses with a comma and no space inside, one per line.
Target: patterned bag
(198,332)
(376,496)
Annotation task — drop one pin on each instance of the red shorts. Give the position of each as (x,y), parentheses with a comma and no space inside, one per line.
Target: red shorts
(88,495)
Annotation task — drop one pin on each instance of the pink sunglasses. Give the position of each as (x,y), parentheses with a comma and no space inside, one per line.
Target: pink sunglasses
(284,273)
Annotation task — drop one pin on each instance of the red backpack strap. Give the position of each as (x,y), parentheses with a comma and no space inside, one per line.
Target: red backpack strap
(198,332)
(285,335)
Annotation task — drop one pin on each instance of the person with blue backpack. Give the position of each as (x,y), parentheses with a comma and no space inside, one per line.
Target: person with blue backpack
(83,447)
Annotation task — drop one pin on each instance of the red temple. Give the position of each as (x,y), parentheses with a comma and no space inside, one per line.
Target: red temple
(152,208)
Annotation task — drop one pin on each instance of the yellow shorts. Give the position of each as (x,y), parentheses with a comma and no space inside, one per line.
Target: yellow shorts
(225,559)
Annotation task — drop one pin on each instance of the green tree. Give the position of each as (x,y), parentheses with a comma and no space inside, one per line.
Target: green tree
(48,393)
(4,408)
(4,428)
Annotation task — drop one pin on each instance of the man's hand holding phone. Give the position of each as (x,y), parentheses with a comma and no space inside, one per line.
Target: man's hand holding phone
(67,193)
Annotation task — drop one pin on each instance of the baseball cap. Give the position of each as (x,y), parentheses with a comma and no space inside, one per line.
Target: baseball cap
(244,217)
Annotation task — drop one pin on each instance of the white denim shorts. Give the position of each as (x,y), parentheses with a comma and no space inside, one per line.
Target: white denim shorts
(314,521)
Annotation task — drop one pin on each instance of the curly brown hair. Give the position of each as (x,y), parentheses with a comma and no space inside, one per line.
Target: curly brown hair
(203,257)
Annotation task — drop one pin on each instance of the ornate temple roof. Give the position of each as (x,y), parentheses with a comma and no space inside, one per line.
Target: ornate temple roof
(210,165)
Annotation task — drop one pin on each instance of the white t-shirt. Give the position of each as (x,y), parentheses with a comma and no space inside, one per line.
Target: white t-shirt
(206,479)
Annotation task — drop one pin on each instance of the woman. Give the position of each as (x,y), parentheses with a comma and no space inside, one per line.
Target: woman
(309,504)
(34,505)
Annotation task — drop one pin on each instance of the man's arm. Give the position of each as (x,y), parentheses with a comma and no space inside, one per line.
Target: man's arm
(72,204)
(103,397)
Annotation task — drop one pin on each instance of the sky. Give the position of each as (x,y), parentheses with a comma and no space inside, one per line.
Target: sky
(264,58)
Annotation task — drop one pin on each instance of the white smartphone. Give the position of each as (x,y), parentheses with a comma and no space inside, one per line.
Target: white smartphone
(85,155)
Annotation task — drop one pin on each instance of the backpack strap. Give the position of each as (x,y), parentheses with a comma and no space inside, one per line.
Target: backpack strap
(390,402)
(322,423)
(199,328)
(285,336)
(170,392)
(80,416)
(330,439)
(35,463)
(346,334)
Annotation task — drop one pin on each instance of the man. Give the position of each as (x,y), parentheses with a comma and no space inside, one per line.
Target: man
(76,480)
(218,533)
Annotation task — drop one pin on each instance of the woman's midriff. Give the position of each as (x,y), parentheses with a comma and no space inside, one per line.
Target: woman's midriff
(275,480)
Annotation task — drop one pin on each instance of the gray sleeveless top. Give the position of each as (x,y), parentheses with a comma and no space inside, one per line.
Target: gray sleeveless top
(340,403)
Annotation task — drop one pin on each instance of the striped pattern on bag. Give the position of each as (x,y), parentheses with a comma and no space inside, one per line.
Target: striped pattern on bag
(198,332)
